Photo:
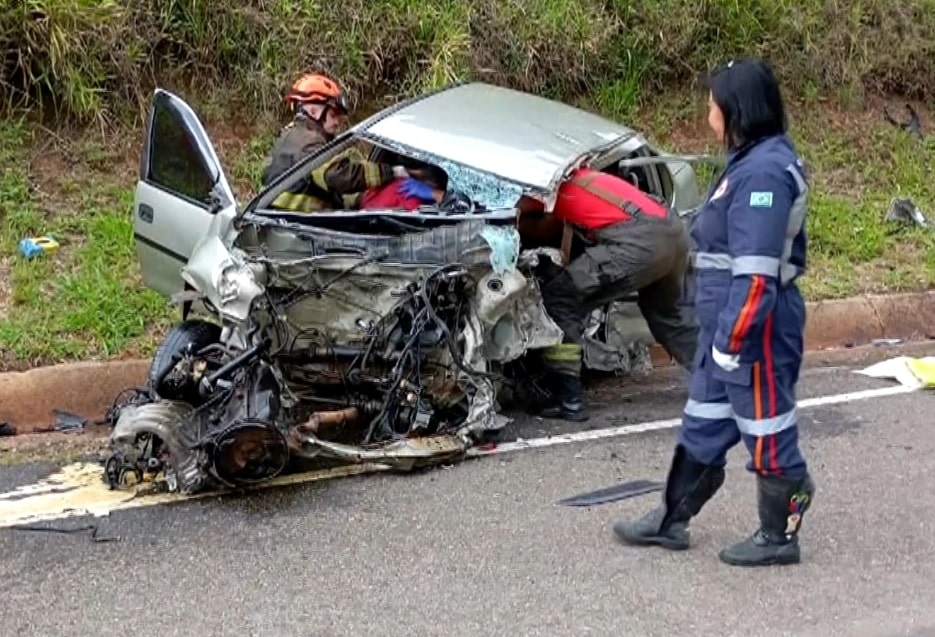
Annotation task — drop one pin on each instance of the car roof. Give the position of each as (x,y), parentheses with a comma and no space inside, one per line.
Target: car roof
(518,136)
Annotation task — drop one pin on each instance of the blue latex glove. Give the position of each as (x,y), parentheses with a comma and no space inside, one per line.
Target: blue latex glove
(412,187)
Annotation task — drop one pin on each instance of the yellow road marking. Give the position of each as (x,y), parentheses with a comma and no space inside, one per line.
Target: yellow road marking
(79,489)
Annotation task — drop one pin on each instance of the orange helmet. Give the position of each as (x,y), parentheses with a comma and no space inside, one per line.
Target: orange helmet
(314,88)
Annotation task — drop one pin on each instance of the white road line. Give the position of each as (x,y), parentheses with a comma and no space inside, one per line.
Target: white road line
(78,490)
(670,423)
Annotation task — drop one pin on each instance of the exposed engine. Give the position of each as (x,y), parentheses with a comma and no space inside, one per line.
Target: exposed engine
(401,378)
(214,418)
(234,406)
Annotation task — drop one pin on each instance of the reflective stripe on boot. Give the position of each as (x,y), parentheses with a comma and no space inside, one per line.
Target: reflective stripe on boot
(781,505)
(689,486)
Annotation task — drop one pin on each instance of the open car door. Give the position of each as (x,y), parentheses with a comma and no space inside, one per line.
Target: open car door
(182,193)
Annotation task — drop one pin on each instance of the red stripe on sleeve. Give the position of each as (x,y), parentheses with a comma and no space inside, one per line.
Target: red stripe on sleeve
(747,312)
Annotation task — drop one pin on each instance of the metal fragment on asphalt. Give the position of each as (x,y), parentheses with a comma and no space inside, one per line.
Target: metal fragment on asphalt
(615,493)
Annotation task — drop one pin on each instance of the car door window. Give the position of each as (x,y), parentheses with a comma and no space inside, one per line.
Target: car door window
(176,161)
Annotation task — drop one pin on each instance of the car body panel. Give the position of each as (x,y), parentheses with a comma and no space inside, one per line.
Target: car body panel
(181,196)
(517,136)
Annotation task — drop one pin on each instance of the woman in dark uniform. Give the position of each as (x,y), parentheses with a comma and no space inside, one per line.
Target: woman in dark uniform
(750,245)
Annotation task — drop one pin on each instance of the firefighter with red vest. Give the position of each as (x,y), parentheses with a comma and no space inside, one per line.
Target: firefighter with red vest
(634,243)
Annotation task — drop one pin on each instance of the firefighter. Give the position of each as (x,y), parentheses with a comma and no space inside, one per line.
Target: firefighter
(319,109)
(634,243)
(751,248)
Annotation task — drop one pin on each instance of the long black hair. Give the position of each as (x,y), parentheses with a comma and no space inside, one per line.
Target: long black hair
(748,94)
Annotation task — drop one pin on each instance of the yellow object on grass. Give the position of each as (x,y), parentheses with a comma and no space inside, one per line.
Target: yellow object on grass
(33,246)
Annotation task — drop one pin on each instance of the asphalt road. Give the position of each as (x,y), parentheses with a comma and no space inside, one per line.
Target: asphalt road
(482,548)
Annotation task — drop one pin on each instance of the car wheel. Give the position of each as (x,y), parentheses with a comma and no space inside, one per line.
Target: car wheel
(194,333)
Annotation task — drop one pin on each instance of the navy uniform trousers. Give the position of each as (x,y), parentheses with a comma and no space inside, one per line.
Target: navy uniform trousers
(755,403)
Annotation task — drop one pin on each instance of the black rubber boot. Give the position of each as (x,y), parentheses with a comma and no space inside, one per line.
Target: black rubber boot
(781,504)
(689,486)
(568,400)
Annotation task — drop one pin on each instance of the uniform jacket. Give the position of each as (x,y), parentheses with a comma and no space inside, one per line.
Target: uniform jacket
(749,241)
(299,138)
(338,183)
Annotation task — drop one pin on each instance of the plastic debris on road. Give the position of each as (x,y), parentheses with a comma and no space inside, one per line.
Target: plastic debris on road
(908,371)
(79,490)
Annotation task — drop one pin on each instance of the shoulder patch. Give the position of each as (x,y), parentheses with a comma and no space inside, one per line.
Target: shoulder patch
(721,190)
(761,199)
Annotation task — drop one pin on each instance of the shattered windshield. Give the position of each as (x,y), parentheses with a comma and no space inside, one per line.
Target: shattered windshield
(484,188)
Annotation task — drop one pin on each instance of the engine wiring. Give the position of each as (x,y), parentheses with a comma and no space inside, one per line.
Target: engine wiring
(382,374)
(396,338)
(419,302)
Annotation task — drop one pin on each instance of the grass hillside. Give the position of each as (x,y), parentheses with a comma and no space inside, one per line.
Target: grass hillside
(77,75)
(92,59)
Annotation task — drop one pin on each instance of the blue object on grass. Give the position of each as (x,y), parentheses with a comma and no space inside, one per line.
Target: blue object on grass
(31,247)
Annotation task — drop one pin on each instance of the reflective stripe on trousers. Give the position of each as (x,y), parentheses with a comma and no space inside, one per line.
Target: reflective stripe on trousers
(749,426)
(563,358)
(562,352)
(767,266)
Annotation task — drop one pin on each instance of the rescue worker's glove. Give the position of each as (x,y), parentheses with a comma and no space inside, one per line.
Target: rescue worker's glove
(727,362)
(414,188)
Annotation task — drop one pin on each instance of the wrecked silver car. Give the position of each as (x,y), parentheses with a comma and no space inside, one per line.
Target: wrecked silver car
(359,336)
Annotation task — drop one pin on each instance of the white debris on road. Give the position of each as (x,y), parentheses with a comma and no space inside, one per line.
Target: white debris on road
(910,372)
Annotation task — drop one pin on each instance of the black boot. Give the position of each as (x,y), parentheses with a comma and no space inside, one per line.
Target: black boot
(781,504)
(689,486)
(567,400)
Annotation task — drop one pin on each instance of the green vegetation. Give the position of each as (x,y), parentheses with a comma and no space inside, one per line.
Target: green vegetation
(90,65)
(859,172)
(84,298)
(859,164)
(91,58)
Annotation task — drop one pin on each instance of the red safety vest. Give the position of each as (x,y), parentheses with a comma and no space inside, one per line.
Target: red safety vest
(593,200)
